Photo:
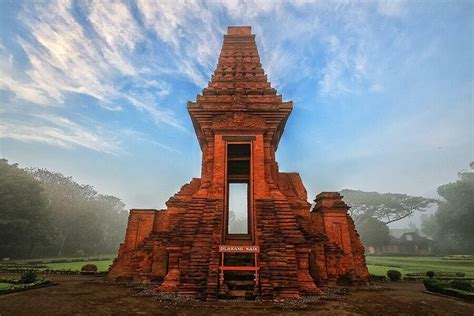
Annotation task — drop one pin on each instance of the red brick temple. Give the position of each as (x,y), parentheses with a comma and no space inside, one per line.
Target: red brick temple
(244,229)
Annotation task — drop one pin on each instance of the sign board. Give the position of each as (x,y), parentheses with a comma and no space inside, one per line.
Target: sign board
(237,249)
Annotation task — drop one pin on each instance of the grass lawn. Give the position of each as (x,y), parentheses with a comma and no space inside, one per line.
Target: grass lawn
(102,265)
(103,262)
(378,265)
(5,286)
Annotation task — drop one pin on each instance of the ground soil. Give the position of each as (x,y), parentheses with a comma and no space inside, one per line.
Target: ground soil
(79,295)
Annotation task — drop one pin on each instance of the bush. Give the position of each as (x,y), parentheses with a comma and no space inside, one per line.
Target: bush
(451,289)
(89,268)
(430,274)
(394,275)
(28,277)
(434,285)
(468,296)
(461,285)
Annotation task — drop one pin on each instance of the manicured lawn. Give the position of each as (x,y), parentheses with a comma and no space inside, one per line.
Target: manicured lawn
(378,265)
(102,265)
(102,262)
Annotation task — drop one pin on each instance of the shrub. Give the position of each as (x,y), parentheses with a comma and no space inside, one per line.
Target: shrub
(451,289)
(28,277)
(394,275)
(468,296)
(434,285)
(430,274)
(461,285)
(89,268)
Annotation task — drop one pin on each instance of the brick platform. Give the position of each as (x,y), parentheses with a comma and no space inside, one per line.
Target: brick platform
(302,251)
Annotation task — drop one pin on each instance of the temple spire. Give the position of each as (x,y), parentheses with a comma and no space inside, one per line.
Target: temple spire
(239,70)
(239,84)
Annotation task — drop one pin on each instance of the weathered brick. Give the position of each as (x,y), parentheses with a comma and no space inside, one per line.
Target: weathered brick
(301,251)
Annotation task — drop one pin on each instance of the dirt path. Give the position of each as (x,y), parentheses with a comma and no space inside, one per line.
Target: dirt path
(87,296)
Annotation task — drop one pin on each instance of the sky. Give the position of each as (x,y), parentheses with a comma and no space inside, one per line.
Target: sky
(97,90)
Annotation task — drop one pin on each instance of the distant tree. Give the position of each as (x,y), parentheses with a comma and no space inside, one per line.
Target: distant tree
(373,232)
(24,213)
(67,201)
(442,243)
(429,225)
(455,214)
(385,207)
(112,220)
(84,221)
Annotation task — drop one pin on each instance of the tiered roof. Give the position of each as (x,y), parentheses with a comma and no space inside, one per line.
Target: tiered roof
(239,84)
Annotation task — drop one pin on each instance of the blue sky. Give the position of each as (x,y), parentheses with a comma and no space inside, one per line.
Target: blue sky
(382,91)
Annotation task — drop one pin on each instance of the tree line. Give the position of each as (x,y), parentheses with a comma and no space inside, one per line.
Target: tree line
(451,227)
(44,213)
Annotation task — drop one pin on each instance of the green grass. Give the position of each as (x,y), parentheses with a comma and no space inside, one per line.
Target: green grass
(47,260)
(102,265)
(5,286)
(378,265)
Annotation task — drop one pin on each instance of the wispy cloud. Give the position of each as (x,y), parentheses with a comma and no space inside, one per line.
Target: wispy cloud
(127,55)
(141,137)
(57,131)
(66,56)
(393,8)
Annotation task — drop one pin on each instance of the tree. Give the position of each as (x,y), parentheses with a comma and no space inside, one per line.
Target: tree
(112,220)
(429,225)
(373,232)
(454,219)
(23,212)
(385,207)
(84,221)
(67,202)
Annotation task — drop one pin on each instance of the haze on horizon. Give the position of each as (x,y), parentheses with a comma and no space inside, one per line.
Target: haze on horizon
(382,91)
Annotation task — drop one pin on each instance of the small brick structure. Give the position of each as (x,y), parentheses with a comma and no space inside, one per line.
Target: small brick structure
(295,250)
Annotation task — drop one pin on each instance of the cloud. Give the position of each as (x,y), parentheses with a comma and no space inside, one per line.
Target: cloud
(192,32)
(57,131)
(249,8)
(132,55)
(393,8)
(22,91)
(119,32)
(141,137)
(97,59)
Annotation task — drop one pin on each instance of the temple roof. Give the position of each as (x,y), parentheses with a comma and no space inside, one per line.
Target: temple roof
(239,83)
(239,70)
